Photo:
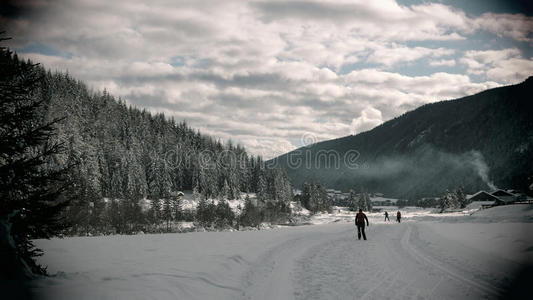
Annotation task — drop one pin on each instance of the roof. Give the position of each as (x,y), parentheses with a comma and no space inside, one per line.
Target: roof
(483,196)
(177,194)
(500,193)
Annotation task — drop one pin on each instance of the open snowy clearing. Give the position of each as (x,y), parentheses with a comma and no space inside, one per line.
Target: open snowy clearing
(451,257)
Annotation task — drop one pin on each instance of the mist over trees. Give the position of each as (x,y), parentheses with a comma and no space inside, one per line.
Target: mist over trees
(481,142)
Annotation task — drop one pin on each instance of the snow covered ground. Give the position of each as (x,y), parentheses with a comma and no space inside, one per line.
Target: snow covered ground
(188,201)
(427,256)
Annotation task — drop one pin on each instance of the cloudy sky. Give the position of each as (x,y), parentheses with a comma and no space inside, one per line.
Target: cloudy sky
(272,75)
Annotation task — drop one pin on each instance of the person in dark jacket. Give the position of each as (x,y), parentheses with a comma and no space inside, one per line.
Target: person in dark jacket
(360,218)
(387,216)
(398,216)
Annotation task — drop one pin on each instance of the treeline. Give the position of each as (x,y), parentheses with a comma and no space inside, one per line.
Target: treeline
(315,198)
(450,200)
(166,215)
(122,152)
(355,201)
(453,200)
(220,215)
(359,201)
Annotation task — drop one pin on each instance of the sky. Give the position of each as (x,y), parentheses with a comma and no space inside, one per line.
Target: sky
(276,75)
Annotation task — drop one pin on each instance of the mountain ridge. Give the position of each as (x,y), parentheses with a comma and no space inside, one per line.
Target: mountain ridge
(475,138)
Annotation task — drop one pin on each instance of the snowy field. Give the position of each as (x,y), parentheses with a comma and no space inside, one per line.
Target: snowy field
(427,256)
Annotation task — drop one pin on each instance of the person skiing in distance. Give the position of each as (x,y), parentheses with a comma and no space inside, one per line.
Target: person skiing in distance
(398,216)
(387,216)
(360,218)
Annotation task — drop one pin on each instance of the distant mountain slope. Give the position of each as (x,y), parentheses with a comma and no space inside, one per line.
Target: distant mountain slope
(469,141)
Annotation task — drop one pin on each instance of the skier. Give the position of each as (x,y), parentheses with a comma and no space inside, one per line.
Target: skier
(398,216)
(360,218)
(387,216)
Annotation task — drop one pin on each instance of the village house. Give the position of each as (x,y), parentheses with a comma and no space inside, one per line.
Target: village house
(498,197)
(482,196)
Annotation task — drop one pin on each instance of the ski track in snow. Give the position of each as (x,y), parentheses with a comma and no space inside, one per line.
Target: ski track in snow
(390,264)
(483,286)
(410,260)
(361,269)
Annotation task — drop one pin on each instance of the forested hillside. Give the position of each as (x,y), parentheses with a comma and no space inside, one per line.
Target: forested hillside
(125,154)
(481,141)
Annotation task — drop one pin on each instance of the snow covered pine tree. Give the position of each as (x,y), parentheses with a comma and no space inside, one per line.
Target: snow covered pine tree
(29,193)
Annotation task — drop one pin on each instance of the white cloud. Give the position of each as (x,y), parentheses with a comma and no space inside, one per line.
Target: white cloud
(507,65)
(443,15)
(442,62)
(264,73)
(511,70)
(369,118)
(396,54)
(516,26)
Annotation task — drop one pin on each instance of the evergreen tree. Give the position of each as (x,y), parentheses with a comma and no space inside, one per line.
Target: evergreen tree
(261,185)
(133,215)
(315,198)
(206,213)
(461,197)
(177,207)
(116,218)
(200,211)
(352,201)
(167,212)
(306,195)
(365,202)
(210,213)
(226,192)
(155,212)
(196,194)
(224,214)
(97,215)
(29,192)
(361,202)
(447,201)
(250,215)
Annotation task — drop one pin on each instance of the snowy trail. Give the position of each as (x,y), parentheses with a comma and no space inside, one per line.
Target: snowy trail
(381,267)
(272,275)
(481,285)
(411,260)
(391,264)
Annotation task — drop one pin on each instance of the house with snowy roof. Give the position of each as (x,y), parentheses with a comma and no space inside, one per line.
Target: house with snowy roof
(482,196)
(498,197)
(482,199)
(505,197)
